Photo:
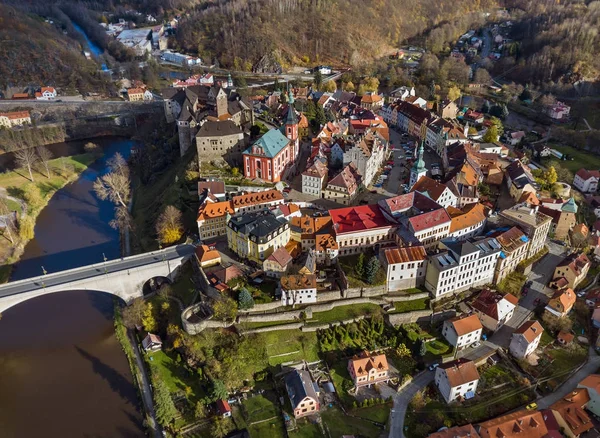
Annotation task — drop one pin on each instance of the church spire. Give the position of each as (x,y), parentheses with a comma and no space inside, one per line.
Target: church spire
(229,81)
(291,118)
(290,96)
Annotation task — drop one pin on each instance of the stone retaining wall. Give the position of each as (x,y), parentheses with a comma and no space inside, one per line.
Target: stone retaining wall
(408,317)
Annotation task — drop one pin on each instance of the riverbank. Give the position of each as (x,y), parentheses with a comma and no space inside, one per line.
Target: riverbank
(36,195)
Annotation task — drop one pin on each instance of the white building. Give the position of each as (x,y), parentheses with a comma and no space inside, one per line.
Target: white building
(514,250)
(46,93)
(367,154)
(467,222)
(494,309)
(461,332)
(314,179)
(435,190)
(586,181)
(461,265)
(14,118)
(536,225)
(298,289)
(592,384)
(526,339)
(405,267)
(457,380)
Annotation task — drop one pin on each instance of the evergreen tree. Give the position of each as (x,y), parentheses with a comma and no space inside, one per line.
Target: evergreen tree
(422,349)
(371,269)
(360,265)
(486,107)
(163,403)
(318,80)
(320,118)
(218,390)
(245,299)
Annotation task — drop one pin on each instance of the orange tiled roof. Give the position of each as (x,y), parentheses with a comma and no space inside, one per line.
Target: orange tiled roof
(571,410)
(293,282)
(520,424)
(460,371)
(565,297)
(206,254)
(325,242)
(133,91)
(530,330)
(13,115)
(465,325)
(471,215)
(404,254)
(210,210)
(257,198)
(365,362)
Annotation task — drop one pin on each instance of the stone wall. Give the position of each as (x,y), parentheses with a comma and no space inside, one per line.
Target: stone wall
(408,317)
(290,326)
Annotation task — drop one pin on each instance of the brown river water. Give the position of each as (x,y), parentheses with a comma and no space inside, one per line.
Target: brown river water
(62,371)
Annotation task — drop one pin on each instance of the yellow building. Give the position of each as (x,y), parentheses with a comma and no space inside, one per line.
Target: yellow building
(212,219)
(14,118)
(255,236)
(135,94)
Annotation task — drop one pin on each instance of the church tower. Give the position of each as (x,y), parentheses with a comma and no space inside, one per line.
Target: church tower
(418,170)
(291,125)
(229,81)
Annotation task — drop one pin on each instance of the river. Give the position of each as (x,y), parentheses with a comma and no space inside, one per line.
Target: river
(62,371)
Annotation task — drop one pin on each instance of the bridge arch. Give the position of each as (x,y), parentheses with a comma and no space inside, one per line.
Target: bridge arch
(154,284)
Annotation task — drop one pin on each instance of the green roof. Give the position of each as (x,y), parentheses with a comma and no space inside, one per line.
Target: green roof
(570,206)
(420,163)
(272,142)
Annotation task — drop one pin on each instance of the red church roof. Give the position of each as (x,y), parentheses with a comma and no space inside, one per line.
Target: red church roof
(358,218)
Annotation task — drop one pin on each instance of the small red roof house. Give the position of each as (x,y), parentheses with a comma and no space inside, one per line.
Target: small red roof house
(228,273)
(207,257)
(152,342)
(565,338)
(223,408)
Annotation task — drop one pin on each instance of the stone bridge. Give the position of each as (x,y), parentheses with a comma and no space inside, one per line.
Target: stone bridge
(123,277)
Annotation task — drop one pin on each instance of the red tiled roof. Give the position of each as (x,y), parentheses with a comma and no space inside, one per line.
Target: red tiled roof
(429,220)
(487,302)
(13,115)
(530,330)
(413,199)
(280,256)
(223,407)
(587,174)
(257,198)
(405,254)
(358,218)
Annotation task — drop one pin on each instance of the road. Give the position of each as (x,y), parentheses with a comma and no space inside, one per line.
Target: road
(97,269)
(487,43)
(402,400)
(145,389)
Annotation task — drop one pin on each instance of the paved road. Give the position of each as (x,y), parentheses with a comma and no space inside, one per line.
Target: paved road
(487,43)
(402,400)
(63,277)
(145,389)
(590,367)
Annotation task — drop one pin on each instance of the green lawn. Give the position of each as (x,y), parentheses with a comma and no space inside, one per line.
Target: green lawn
(306,429)
(302,346)
(174,375)
(255,325)
(341,313)
(379,413)
(342,381)
(339,424)
(409,306)
(438,347)
(513,284)
(183,288)
(263,407)
(13,205)
(580,159)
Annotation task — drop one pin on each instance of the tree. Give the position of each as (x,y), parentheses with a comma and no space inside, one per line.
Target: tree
(423,349)
(454,93)
(134,313)
(166,412)
(219,428)
(169,225)
(245,299)
(45,156)
(371,269)
(91,148)
(318,79)
(320,118)
(218,390)
(484,189)
(148,320)
(330,86)
(115,187)
(32,197)
(235,172)
(10,228)
(118,165)
(491,135)
(199,410)
(225,309)
(482,76)
(403,351)
(26,159)
(486,107)
(525,95)
(122,221)
(348,86)
(26,227)
(550,176)
(359,268)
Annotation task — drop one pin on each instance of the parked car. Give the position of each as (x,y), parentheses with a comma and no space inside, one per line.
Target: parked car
(476,344)
(287,190)
(378,185)
(531,406)
(433,366)
(537,301)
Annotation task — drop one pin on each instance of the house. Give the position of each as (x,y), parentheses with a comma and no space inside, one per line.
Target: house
(255,236)
(46,93)
(367,153)
(303,128)
(573,269)
(257,201)
(305,229)
(277,263)
(586,181)
(302,394)
(298,289)
(525,339)
(207,257)
(558,111)
(359,228)
(494,309)
(457,380)
(447,109)
(564,338)
(14,118)
(343,187)
(220,139)
(135,94)
(519,179)
(462,331)
(467,222)
(435,190)
(212,218)
(592,384)
(459,265)
(563,216)
(223,408)
(534,224)
(514,245)
(515,137)
(227,273)
(371,101)
(466,431)
(213,188)
(326,248)
(561,303)
(313,179)
(367,369)
(520,424)
(269,158)
(570,414)
(404,266)
(580,234)
(152,342)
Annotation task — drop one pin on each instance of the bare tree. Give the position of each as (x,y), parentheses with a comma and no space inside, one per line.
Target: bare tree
(10,228)
(115,187)
(118,165)
(123,220)
(45,156)
(26,159)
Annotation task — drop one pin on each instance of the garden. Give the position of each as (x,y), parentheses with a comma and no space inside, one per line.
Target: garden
(363,270)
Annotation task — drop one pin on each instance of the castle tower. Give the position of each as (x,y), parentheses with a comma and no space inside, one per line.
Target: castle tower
(418,170)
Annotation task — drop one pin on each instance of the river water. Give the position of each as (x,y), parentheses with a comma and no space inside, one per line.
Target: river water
(62,371)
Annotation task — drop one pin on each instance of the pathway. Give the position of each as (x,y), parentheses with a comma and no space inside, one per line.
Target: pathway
(403,398)
(144,387)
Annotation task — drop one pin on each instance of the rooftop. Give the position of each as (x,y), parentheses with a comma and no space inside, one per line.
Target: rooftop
(358,218)
(465,324)
(460,371)
(530,330)
(365,362)
(295,282)
(257,198)
(404,254)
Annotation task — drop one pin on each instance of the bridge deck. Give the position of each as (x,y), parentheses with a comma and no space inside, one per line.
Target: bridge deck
(97,269)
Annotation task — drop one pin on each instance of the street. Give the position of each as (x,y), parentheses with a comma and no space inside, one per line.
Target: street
(402,400)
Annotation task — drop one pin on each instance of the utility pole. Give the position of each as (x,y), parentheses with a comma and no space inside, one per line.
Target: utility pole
(105,259)
(44,272)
